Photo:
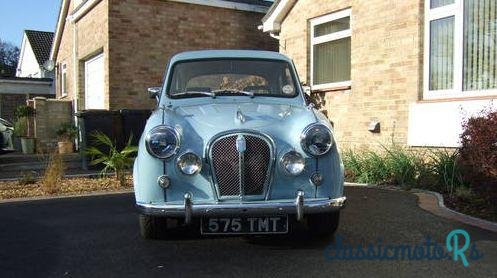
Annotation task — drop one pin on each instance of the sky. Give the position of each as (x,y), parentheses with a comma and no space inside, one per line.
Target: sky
(18,15)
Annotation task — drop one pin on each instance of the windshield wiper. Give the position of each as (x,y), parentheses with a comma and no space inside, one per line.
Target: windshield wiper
(235,91)
(210,94)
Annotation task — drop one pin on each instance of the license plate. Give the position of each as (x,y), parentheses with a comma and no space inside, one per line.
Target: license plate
(244,225)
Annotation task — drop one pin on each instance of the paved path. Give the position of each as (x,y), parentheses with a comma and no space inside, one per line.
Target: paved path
(98,237)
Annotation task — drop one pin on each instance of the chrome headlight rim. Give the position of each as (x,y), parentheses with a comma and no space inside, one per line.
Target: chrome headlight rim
(174,132)
(181,156)
(305,133)
(282,162)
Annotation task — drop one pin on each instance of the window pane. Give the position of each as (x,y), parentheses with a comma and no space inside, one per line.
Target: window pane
(440,3)
(332,61)
(480,40)
(442,53)
(332,27)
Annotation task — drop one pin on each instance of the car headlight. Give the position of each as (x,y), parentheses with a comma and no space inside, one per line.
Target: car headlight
(162,141)
(293,163)
(189,163)
(316,139)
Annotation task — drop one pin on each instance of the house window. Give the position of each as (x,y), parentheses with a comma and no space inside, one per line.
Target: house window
(330,51)
(460,48)
(63,81)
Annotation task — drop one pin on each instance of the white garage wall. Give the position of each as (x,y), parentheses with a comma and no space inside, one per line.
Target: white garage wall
(439,124)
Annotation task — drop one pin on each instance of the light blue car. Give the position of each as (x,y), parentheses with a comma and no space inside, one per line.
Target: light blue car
(234,148)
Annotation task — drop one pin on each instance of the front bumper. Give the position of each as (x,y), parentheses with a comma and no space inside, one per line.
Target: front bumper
(299,207)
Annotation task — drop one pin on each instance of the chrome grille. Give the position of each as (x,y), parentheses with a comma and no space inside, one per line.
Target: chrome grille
(243,173)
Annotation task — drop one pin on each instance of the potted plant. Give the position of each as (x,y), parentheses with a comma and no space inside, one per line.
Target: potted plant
(66,133)
(23,130)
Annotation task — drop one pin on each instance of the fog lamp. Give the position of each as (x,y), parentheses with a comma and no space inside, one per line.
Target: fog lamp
(293,163)
(189,163)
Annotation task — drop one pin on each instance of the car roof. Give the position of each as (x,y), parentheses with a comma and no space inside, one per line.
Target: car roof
(228,53)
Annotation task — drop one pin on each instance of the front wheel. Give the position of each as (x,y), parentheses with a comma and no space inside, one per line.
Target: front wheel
(323,224)
(152,227)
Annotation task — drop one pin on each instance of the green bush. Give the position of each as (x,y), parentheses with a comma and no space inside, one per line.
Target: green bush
(353,165)
(114,160)
(396,165)
(374,168)
(24,111)
(446,168)
(67,131)
(21,127)
(404,165)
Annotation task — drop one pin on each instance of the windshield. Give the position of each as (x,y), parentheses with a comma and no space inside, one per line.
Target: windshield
(241,77)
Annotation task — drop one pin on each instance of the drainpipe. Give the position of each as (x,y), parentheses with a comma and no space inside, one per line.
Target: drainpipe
(75,78)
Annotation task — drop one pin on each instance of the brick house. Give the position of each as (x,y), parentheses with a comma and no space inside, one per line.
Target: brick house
(409,71)
(31,79)
(35,51)
(107,52)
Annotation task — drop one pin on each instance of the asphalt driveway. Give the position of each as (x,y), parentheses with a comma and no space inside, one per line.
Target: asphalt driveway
(98,237)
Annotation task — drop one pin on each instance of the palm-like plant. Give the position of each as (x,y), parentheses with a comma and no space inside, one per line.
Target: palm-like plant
(114,160)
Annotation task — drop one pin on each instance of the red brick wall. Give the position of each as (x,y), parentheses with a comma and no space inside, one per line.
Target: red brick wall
(143,34)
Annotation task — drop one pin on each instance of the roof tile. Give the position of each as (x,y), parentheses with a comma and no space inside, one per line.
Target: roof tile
(41,42)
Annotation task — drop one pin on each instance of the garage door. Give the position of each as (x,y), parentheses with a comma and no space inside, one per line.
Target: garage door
(94,83)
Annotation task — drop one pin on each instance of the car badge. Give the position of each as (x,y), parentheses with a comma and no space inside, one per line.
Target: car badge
(239,116)
(241,144)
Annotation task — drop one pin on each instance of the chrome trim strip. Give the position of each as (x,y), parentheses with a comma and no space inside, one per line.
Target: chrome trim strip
(241,173)
(310,206)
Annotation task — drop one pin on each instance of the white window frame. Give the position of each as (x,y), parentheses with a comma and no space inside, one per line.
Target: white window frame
(63,80)
(456,10)
(327,38)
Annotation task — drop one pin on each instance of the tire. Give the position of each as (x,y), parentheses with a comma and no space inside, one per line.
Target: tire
(324,224)
(152,227)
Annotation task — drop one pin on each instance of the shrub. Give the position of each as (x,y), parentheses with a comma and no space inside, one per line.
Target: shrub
(27,178)
(21,127)
(479,154)
(479,143)
(397,165)
(445,165)
(53,174)
(404,165)
(393,165)
(114,160)
(352,164)
(374,168)
(67,131)
(24,111)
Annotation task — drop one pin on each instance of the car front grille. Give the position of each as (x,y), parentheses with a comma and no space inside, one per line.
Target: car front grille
(241,168)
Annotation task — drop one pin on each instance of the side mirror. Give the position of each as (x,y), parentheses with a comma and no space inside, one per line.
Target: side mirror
(154,92)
